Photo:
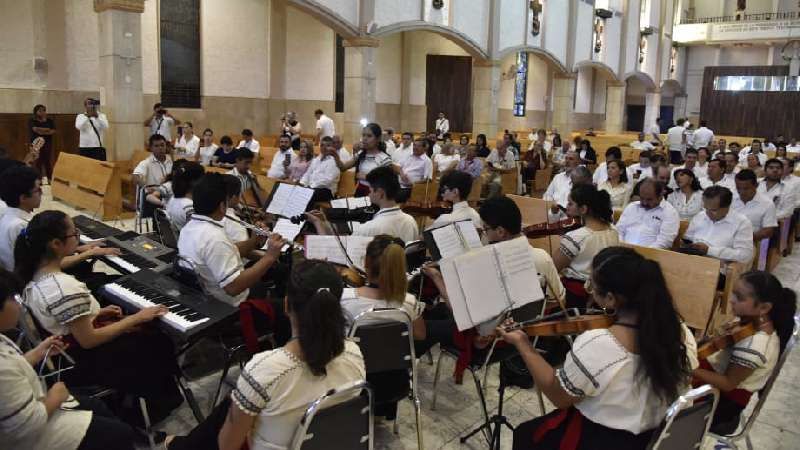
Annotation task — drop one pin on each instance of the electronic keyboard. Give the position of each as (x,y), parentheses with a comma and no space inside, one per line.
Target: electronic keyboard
(138,252)
(191,312)
(93,229)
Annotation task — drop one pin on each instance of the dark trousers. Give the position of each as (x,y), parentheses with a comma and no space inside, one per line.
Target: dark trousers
(105,431)
(44,164)
(204,436)
(98,153)
(675,157)
(439,328)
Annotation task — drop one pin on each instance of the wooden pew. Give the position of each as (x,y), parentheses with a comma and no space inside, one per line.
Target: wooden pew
(88,184)
(347,184)
(534,211)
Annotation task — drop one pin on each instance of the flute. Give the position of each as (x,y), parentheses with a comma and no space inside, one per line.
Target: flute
(257,230)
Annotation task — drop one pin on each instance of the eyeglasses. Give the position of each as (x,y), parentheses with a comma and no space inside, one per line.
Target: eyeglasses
(76,235)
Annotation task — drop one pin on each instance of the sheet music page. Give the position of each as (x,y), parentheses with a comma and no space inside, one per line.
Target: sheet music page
(280,199)
(287,229)
(298,201)
(469,233)
(455,295)
(518,269)
(359,202)
(339,203)
(482,284)
(325,248)
(447,241)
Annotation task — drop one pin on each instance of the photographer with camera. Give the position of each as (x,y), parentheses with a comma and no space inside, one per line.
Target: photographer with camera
(161,121)
(91,124)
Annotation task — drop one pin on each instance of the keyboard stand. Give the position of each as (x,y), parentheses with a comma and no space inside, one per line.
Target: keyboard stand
(189,396)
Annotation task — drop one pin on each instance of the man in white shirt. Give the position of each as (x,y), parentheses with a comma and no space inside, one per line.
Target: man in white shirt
(455,187)
(283,158)
(702,136)
(248,142)
(689,164)
(442,126)
(561,184)
(435,147)
(757,208)
(642,169)
(161,122)
(650,222)
(383,190)
(417,167)
(150,172)
(676,142)
(641,143)
(91,125)
(754,148)
(789,179)
(325,126)
(731,165)
(600,175)
(405,150)
(501,160)
(388,140)
(773,187)
(715,176)
(241,170)
(218,261)
(344,154)
(655,132)
(793,147)
(719,232)
(22,191)
(541,139)
(323,173)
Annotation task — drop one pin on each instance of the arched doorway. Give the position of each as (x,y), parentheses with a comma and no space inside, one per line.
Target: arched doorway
(637,87)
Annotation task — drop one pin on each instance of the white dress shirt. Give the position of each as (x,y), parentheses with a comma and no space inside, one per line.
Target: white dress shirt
(703,137)
(344,155)
(187,149)
(600,174)
(759,210)
(657,227)
(416,168)
(3,207)
(642,145)
(252,145)
(391,221)
(675,139)
(793,185)
(207,154)
(326,126)
(153,171)
(88,138)
(162,126)
(647,172)
(728,182)
(461,211)
(277,170)
(401,153)
(687,208)
(729,239)
(322,173)
(11,224)
(442,126)
(781,195)
(559,188)
(446,162)
(762,157)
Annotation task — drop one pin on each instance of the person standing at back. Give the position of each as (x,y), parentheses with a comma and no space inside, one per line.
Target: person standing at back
(91,125)
(442,126)
(703,135)
(325,126)
(161,122)
(42,126)
(676,141)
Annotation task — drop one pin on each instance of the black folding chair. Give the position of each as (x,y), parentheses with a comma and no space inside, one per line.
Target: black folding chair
(386,339)
(687,421)
(341,419)
(166,232)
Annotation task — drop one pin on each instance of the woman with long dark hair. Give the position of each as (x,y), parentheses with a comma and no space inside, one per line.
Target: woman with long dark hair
(616,383)
(578,247)
(758,299)
(277,386)
(372,154)
(617,185)
(111,349)
(586,152)
(688,198)
(483,147)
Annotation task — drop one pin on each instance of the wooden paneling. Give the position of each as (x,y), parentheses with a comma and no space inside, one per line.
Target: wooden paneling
(448,89)
(741,113)
(14,134)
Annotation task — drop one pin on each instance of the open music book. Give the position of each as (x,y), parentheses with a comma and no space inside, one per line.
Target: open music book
(452,239)
(289,200)
(484,283)
(327,248)
(351,202)
(287,229)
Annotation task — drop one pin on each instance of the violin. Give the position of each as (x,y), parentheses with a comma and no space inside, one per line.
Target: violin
(550,229)
(431,209)
(352,277)
(735,333)
(565,324)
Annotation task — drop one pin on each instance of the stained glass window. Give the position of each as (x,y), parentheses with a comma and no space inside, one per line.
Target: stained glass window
(521,84)
(180,53)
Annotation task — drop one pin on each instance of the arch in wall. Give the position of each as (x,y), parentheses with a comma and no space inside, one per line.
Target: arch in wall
(648,82)
(600,67)
(547,56)
(328,17)
(457,37)
(673,86)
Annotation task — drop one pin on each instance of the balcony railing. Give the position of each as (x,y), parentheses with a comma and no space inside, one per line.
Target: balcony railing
(786,15)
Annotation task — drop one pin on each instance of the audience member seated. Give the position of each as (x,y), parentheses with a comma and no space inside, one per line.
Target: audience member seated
(586,153)
(702,160)
(690,163)
(578,247)
(687,199)
(642,144)
(773,187)
(715,175)
(731,165)
(641,170)
(323,174)
(499,162)
(181,207)
(470,164)
(455,187)
(754,165)
(283,159)
(650,222)
(616,184)
(389,219)
(277,386)
(541,139)
(187,146)
(344,155)
(561,184)
(248,142)
(404,150)
(448,159)
(300,165)
(416,168)
(720,232)
(225,156)
(601,173)
(234,229)
(756,207)
(791,180)
(753,149)
(483,148)
(534,160)
(161,122)
(207,148)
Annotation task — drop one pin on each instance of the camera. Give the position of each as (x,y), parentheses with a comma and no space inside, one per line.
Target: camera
(162,111)
(93,102)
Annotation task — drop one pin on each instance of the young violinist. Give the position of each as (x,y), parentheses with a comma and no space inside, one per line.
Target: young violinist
(180,207)
(616,383)
(758,299)
(241,170)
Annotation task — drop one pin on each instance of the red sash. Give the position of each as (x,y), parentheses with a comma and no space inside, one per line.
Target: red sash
(572,434)
(739,396)
(247,323)
(576,287)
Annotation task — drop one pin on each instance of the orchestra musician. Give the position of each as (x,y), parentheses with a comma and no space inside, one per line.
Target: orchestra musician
(372,155)
(106,345)
(743,369)
(456,187)
(616,383)
(180,207)
(241,169)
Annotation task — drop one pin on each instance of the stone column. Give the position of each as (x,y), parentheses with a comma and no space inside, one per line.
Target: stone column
(652,107)
(563,104)
(485,90)
(121,74)
(359,85)
(679,108)
(276,103)
(615,107)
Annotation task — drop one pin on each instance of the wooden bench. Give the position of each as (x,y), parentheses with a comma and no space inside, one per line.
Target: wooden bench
(534,211)
(88,184)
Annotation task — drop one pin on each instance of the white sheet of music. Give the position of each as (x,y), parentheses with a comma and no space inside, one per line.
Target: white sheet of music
(357,249)
(519,271)
(448,241)
(328,249)
(339,203)
(287,229)
(290,200)
(351,202)
(469,233)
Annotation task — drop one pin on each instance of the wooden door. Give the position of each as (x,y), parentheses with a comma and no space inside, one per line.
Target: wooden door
(448,89)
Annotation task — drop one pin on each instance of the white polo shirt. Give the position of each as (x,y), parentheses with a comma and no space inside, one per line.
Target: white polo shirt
(153,171)
(187,149)
(179,211)
(277,170)
(559,188)
(88,138)
(162,126)
(322,173)
(675,139)
(235,231)
(12,223)
(782,197)
(461,211)
(326,125)
(729,239)
(344,155)
(391,221)
(253,145)
(204,242)
(703,137)
(657,227)
(416,168)
(759,210)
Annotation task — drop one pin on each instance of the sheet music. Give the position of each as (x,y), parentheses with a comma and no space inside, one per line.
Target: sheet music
(325,248)
(287,229)
(455,296)
(482,284)
(469,233)
(339,203)
(448,241)
(359,202)
(519,271)
(290,200)
(280,198)
(357,249)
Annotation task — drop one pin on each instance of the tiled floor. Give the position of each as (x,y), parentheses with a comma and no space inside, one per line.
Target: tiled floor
(458,410)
